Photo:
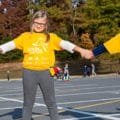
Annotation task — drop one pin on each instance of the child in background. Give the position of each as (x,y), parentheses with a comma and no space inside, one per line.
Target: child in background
(93,73)
(66,76)
(57,71)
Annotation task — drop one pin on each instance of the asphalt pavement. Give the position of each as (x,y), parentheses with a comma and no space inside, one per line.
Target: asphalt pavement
(90,98)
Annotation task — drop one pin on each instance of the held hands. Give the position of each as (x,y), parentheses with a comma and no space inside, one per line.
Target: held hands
(85,53)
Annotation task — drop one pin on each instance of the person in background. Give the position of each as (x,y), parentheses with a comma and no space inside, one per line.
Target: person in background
(84,70)
(8,75)
(39,46)
(93,73)
(88,70)
(66,76)
(57,71)
(111,46)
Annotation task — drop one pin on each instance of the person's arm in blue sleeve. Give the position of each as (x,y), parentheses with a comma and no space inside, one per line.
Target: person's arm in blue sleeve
(99,50)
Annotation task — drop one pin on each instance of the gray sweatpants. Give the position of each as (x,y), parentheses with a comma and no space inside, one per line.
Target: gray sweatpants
(31,80)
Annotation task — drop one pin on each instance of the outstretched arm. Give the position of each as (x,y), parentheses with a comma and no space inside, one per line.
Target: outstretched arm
(111,46)
(70,47)
(7,47)
(99,50)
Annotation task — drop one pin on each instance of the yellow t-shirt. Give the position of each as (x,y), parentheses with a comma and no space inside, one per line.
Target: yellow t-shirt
(38,54)
(113,45)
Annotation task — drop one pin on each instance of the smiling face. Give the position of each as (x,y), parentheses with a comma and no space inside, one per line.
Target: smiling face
(39,22)
(39,25)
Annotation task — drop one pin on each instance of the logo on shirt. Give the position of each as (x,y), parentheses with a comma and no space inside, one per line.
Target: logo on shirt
(38,47)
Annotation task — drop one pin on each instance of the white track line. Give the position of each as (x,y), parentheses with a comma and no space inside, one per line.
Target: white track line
(114,114)
(10,108)
(100,87)
(82,85)
(68,109)
(87,113)
(63,103)
(99,92)
(88,101)
(20,101)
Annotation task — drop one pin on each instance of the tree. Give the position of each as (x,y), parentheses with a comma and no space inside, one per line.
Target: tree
(98,18)
(14,18)
(103,18)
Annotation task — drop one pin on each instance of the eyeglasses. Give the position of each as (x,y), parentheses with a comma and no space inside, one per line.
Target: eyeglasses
(39,24)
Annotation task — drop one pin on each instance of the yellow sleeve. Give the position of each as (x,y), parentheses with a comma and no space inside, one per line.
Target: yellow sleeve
(55,42)
(19,40)
(113,45)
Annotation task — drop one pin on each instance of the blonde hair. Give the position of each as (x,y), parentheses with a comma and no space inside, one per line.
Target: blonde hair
(41,14)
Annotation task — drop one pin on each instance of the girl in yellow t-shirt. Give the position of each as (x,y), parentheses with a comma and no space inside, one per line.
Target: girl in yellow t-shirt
(38,48)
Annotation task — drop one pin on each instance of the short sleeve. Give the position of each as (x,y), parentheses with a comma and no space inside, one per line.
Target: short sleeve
(19,40)
(55,42)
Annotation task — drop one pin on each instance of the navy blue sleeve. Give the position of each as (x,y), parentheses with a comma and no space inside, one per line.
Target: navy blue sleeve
(99,50)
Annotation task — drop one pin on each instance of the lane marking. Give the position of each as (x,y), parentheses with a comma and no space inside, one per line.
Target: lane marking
(87,93)
(20,101)
(87,101)
(98,104)
(81,112)
(8,91)
(90,88)
(72,110)
(100,92)
(11,94)
(84,101)
(82,85)
(10,108)
(82,118)
(87,113)
(114,114)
